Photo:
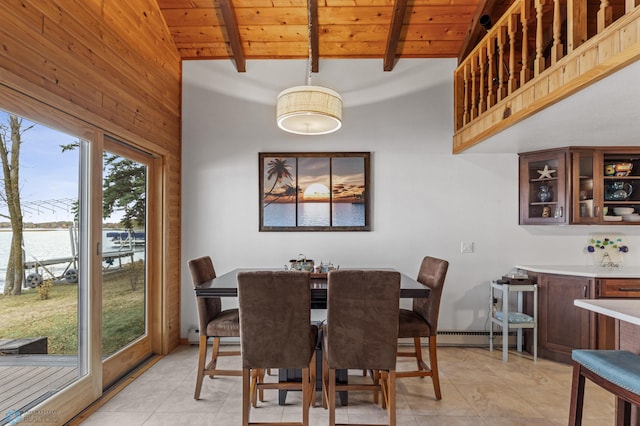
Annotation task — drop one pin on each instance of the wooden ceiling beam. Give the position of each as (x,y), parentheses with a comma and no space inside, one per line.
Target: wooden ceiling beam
(399,10)
(314,35)
(231,25)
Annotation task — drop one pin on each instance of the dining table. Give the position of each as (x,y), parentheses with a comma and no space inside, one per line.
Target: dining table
(226,285)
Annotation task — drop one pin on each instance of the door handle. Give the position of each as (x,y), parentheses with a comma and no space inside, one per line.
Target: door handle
(585,291)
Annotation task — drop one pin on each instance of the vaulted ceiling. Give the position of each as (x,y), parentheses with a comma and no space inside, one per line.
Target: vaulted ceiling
(279,29)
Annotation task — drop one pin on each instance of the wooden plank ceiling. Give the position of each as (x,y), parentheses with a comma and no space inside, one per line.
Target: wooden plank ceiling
(279,29)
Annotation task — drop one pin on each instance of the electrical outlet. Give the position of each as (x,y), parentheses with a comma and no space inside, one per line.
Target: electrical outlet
(466,247)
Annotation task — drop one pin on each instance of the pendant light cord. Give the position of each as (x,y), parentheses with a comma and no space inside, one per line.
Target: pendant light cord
(309,42)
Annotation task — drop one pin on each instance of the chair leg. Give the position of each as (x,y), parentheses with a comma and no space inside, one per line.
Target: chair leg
(623,412)
(391,397)
(253,392)
(325,383)
(306,396)
(332,396)
(260,381)
(246,393)
(577,396)
(384,390)
(214,355)
(433,361)
(375,376)
(417,344)
(312,380)
(202,357)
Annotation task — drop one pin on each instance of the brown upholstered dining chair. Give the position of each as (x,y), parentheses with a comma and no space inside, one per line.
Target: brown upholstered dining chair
(214,322)
(422,321)
(361,332)
(276,332)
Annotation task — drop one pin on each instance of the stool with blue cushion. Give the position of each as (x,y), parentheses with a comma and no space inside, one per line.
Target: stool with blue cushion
(616,371)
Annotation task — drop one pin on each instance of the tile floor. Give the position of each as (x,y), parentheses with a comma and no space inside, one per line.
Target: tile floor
(477,389)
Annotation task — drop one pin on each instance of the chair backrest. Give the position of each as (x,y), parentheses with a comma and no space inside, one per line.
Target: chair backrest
(432,274)
(208,307)
(362,319)
(275,319)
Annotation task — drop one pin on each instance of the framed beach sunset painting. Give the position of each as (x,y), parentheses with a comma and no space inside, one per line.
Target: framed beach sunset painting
(314,191)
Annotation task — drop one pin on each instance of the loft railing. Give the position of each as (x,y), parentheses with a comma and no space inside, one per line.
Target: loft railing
(537,53)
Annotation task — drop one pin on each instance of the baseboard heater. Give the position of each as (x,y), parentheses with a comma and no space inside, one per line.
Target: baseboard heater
(445,338)
(471,338)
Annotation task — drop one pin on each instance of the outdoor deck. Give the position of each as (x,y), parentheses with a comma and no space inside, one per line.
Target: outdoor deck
(25,380)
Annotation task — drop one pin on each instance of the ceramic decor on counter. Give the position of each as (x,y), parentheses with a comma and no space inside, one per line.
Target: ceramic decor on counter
(606,250)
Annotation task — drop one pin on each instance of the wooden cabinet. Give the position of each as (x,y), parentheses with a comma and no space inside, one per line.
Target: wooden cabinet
(620,191)
(617,288)
(543,186)
(585,189)
(562,326)
(585,186)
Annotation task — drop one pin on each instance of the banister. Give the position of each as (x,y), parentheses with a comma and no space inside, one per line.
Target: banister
(537,53)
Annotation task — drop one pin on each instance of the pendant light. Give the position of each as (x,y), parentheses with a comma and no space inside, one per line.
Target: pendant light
(308,109)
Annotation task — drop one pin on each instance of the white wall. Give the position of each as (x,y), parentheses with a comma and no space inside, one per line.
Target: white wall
(426,201)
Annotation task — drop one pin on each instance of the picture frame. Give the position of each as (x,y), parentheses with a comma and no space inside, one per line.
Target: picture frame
(314,191)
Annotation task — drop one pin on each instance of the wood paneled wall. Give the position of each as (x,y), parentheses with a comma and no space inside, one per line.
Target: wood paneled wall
(113,65)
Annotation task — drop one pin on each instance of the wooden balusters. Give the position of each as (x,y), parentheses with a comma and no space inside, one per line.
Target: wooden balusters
(491,78)
(538,62)
(502,89)
(474,102)
(525,13)
(605,15)
(516,56)
(467,94)
(557,48)
(484,62)
(513,25)
(576,23)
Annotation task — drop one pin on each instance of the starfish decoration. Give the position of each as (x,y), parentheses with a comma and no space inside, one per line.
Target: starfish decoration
(546,173)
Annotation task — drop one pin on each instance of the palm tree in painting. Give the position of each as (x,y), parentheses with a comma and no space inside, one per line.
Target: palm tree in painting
(290,191)
(279,169)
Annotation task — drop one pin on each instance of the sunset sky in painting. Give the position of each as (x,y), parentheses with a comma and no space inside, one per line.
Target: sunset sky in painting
(314,181)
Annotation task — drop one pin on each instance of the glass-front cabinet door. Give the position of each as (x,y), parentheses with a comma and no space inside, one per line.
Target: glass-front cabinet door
(620,178)
(543,187)
(586,196)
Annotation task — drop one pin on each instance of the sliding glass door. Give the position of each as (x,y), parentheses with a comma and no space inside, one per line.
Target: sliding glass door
(80,283)
(126,198)
(44,267)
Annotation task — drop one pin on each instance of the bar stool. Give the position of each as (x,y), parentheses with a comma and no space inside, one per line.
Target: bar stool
(616,371)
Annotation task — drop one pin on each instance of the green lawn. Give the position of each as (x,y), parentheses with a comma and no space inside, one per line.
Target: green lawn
(56,317)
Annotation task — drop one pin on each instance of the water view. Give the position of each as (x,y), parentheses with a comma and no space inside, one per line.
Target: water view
(50,244)
(314,214)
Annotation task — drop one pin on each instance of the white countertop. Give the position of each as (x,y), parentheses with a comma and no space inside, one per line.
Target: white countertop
(624,271)
(623,309)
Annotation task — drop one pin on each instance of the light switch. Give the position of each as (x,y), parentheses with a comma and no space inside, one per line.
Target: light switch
(466,247)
